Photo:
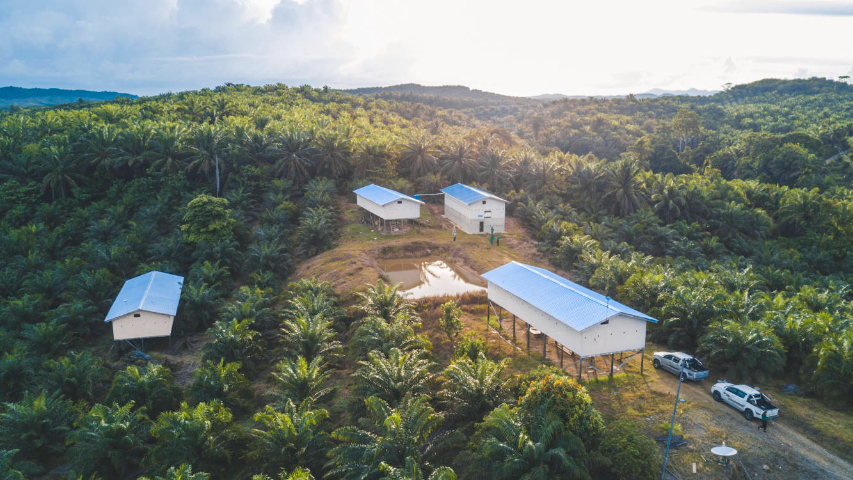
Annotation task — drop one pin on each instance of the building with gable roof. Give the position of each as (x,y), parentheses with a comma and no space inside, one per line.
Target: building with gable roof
(585,322)
(473,210)
(146,306)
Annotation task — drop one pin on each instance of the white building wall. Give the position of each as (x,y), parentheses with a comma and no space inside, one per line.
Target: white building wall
(620,334)
(404,210)
(468,217)
(147,324)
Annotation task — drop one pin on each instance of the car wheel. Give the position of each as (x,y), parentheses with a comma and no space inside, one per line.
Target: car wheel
(656,363)
(748,414)
(717,397)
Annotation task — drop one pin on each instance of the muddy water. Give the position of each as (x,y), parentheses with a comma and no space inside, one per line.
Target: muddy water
(429,277)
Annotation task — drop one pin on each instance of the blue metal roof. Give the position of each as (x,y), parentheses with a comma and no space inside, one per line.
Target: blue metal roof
(572,304)
(156,292)
(381,195)
(468,194)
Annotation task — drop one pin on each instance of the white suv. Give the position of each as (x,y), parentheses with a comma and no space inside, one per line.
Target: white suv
(673,361)
(744,398)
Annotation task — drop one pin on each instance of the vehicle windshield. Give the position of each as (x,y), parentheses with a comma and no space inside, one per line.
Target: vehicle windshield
(693,364)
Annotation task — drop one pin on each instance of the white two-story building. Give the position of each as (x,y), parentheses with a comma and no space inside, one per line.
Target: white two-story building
(474,210)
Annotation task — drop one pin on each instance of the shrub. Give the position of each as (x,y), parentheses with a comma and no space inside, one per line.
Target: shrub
(630,454)
(450,321)
(471,346)
(568,400)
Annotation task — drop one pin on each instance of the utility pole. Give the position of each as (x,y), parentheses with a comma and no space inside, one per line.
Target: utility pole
(672,422)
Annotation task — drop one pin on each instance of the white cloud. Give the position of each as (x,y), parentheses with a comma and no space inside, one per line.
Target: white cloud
(149,46)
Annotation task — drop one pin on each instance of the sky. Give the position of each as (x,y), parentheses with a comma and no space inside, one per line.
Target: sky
(529,47)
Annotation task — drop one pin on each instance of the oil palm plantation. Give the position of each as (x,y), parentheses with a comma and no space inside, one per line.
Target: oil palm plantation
(539,450)
(310,336)
(389,438)
(109,440)
(169,152)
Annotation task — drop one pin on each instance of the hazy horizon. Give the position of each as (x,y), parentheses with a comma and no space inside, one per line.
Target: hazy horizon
(607,48)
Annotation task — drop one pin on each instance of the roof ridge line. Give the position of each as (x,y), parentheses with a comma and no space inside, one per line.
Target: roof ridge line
(529,268)
(147,289)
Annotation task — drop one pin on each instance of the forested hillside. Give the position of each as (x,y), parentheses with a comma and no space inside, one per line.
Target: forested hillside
(31,97)
(726,217)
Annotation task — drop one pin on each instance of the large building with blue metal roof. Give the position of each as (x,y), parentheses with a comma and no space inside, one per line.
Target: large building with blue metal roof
(388,205)
(580,320)
(146,306)
(474,210)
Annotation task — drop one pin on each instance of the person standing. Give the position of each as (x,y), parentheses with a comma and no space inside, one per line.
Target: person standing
(454,234)
(498,241)
(763,422)
(492,239)
(493,230)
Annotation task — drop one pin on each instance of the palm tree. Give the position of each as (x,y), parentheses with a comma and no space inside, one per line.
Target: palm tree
(206,145)
(412,471)
(301,382)
(221,381)
(316,230)
(491,169)
(394,376)
(108,440)
(135,147)
(99,146)
(310,337)
(687,312)
(36,425)
(391,436)
(169,154)
(667,198)
(543,449)
(802,209)
(473,388)
(290,438)
(234,341)
(375,333)
(457,161)
(203,434)
(833,375)
(296,153)
(745,349)
(383,301)
(541,171)
(419,155)
(193,106)
(60,172)
(151,387)
(372,157)
(333,154)
(624,186)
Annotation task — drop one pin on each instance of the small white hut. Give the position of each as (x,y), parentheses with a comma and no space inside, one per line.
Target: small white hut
(146,306)
(388,205)
(586,323)
(474,210)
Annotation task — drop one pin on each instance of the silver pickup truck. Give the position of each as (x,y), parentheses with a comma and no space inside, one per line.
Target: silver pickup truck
(673,361)
(744,398)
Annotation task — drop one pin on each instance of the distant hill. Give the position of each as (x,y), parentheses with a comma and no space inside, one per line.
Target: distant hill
(692,92)
(446,91)
(653,93)
(30,97)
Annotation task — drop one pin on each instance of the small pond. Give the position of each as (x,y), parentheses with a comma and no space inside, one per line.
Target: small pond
(429,277)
